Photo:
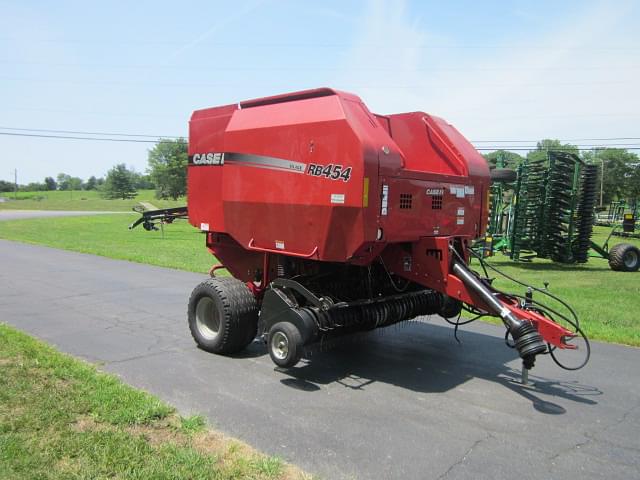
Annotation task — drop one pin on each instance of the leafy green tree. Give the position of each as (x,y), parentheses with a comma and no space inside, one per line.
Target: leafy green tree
(633,178)
(510,159)
(168,168)
(67,182)
(119,183)
(75,183)
(50,183)
(64,181)
(92,183)
(543,146)
(6,186)
(144,182)
(620,172)
(34,187)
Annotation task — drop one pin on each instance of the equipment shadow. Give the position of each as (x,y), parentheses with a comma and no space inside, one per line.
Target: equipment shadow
(425,358)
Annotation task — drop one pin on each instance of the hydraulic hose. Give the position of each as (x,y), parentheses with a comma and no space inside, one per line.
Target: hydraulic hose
(510,320)
(527,340)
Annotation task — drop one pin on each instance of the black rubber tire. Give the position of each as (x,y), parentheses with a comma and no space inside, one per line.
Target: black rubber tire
(450,307)
(222,315)
(624,257)
(503,175)
(294,346)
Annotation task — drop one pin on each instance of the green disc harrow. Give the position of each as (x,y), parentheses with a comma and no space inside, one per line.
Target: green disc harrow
(552,213)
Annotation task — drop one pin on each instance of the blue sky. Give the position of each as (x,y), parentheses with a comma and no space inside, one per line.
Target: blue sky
(516,70)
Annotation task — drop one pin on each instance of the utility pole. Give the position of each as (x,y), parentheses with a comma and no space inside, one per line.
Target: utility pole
(15,183)
(601,181)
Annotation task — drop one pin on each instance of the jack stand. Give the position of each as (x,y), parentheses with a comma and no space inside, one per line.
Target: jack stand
(523,381)
(525,376)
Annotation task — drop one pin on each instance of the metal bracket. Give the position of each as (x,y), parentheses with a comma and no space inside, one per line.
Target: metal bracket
(322,302)
(164,215)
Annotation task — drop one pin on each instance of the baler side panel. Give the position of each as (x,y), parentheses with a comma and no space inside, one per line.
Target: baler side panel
(428,262)
(299,211)
(410,132)
(476,165)
(276,151)
(418,208)
(204,182)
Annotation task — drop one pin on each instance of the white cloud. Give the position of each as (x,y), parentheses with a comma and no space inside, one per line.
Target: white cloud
(577,81)
(385,54)
(223,22)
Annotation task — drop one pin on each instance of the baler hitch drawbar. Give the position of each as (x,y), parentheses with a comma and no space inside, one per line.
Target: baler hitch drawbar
(527,340)
(534,327)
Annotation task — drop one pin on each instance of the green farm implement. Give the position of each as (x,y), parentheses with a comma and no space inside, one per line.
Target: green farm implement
(548,212)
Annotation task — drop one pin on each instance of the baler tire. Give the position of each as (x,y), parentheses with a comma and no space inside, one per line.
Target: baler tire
(288,350)
(624,257)
(450,307)
(222,315)
(503,175)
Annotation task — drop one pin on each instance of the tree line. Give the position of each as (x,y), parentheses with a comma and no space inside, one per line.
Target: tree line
(621,180)
(167,172)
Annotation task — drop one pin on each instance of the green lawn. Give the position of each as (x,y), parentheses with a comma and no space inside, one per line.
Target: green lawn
(61,418)
(80,200)
(181,247)
(607,302)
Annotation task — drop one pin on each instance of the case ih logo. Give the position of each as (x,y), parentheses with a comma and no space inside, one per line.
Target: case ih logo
(435,191)
(208,159)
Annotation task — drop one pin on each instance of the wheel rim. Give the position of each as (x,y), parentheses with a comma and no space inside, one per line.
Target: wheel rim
(207,319)
(279,345)
(630,259)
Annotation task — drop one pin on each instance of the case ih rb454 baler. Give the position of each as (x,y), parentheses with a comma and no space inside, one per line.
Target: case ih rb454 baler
(334,220)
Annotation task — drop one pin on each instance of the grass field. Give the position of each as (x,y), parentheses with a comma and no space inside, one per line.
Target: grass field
(181,247)
(607,302)
(80,200)
(61,418)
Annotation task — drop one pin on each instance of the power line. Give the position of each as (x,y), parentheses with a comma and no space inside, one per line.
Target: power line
(280,84)
(305,45)
(610,139)
(583,146)
(102,139)
(313,68)
(633,146)
(555,149)
(89,112)
(491,142)
(45,130)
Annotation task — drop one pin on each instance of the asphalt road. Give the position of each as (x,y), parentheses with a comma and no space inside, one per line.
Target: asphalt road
(20,214)
(404,403)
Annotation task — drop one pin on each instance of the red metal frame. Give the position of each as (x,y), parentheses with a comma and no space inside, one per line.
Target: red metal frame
(551,332)
(341,218)
(252,246)
(316,171)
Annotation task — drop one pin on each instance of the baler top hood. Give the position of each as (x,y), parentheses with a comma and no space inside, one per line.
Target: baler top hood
(324,176)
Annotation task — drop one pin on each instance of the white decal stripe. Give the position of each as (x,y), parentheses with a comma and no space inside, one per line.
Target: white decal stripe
(266,162)
(262,165)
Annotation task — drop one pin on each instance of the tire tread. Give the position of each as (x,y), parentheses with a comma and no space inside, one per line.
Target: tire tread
(240,313)
(616,257)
